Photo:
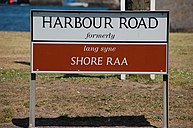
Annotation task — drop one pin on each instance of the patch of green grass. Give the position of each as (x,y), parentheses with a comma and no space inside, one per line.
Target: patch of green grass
(179,77)
(2,95)
(109,107)
(183,117)
(6,115)
(106,97)
(145,79)
(112,107)
(27,104)
(13,74)
(156,118)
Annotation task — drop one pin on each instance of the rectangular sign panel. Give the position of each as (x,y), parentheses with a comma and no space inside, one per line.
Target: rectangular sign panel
(99,58)
(111,26)
(99,42)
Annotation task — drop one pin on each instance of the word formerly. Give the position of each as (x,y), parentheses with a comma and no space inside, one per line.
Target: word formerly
(100,36)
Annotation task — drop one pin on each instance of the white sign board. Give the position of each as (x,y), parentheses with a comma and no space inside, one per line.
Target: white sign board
(100,26)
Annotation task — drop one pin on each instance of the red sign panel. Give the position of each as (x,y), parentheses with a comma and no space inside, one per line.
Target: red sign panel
(99,58)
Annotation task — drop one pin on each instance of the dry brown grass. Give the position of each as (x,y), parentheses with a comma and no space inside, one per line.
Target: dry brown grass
(14,47)
(181,51)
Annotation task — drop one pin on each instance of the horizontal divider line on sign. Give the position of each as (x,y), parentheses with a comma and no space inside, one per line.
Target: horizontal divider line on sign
(100,41)
(99,72)
(114,43)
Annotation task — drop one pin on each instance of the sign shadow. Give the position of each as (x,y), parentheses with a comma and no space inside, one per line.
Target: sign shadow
(100,76)
(94,121)
(22,62)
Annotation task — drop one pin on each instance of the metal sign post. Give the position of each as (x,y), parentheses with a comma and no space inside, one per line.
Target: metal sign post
(165,88)
(166,101)
(123,8)
(32,100)
(152,8)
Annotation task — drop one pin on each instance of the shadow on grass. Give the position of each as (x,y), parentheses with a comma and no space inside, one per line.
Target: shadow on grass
(102,76)
(22,62)
(64,121)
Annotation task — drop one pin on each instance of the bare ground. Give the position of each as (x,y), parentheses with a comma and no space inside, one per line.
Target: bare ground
(94,100)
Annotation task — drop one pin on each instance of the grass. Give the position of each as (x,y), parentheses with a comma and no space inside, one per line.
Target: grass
(180,59)
(180,77)
(95,94)
(184,117)
(13,74)
(181,51)
(177,77)
(6,115)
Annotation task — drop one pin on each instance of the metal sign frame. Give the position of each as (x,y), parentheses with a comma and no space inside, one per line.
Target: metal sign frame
(165,75)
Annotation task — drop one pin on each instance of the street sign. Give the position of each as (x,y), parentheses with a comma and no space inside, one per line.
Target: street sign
(99,42)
